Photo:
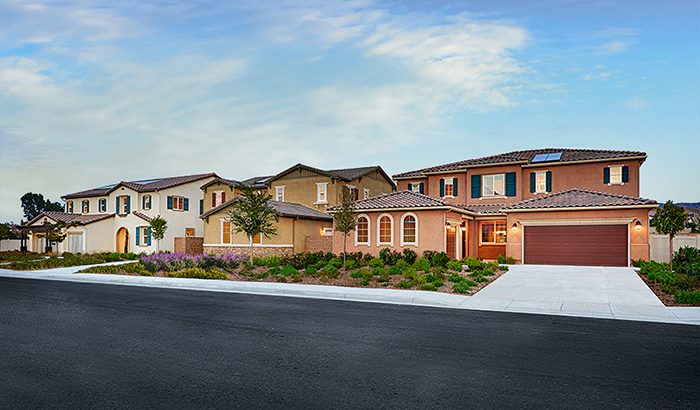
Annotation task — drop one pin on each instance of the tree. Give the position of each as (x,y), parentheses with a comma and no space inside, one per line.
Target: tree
(34,204)
(252,215)
(7,231)
(669,220)
(158,227)
(56,233)
(345,221)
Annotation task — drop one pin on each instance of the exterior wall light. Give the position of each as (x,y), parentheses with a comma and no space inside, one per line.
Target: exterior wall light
(515,227)
(638,225)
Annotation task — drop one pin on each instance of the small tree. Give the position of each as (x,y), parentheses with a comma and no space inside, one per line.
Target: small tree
(158,227)
(345,221)
(56,233)
(669,220)
(252,215)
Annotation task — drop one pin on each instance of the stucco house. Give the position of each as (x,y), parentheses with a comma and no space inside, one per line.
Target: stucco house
(115,217)
(544,206)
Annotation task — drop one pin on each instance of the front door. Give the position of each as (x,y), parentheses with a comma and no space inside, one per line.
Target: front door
(122,240)
(451,241)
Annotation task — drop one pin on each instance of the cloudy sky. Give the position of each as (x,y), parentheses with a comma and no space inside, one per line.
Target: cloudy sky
(97,92)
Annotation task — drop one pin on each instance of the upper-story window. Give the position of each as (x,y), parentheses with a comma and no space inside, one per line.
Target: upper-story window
(449,187)
(416,187)
(493,185)
(178,203)
(86,206)
(123,204)
(540,182)
(351,193)
(218,198)
(322,192)
(365,193)
(279,193)
(69,207)
(616,174)
(146,202)
(102,205)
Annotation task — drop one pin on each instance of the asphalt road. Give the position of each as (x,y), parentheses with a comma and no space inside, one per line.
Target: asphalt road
(73,345)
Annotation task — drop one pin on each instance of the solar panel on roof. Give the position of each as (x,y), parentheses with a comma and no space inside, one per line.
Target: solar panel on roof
(554,156)
(539,158)
(148,181)
(106,186)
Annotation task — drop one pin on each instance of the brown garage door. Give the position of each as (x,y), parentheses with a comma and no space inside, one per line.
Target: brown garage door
(588,245)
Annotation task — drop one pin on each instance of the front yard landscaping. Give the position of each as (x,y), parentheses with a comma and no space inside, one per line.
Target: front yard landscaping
(15,256)
(30,261)
(433,271)
(680,287)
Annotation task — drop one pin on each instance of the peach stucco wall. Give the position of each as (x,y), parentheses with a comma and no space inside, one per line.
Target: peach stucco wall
(639,239)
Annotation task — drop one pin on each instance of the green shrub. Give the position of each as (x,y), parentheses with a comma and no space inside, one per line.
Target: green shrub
(389,256)
(409,256)
(198,273)
(305,259)
(376,263)
(454,265)
(330,271)
(454,278)
(687,297)
(281,278)
(336,263)
(422,264)
(350,264)
(439,259)
(430,278)
(379,271)
(383,278)
(289,270)
(311,270)
(473,263)
(118,269)
(479,278)
(506,260)
(431,286)
(409,273)
(297,278)
(358,273)
(420,279)
(364,281)
(462,287)
(439,271)
(664,277)
(503,268)
(402,264)
(15,256)
(405,284)
(270,262)
(686,260)
(395,270)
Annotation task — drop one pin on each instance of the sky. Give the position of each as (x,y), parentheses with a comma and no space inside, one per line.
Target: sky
(94,92)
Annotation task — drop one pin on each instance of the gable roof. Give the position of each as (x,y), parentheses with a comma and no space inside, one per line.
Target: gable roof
(579,198)
(257,182)
(398,200)
(143,185)
(525,157)
(286,209)
(343,174)
(68,218)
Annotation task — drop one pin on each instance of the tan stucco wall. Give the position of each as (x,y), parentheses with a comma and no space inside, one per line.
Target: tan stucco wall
(639,239)
(230,193)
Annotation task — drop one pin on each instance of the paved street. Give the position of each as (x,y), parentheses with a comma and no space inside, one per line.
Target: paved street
(75,345)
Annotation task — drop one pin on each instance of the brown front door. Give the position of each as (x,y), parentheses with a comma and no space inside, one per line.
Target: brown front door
(451,239)
(583,245)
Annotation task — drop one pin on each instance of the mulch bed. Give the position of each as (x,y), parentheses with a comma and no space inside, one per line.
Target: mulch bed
(666,298)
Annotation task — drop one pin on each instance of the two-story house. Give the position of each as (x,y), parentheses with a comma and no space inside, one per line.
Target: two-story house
(545,206)
(116,217)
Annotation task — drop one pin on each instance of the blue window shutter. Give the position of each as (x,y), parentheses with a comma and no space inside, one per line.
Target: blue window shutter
(454,186)
(186,204)
(148,236)
(128,204)
(549,181)
(533,184)
(138,235)
(606,175)
(421,188)
(116,207)
(442,187)
(625,174)
(143,202)
(510,184)
(170,202)
(476,186)
(201,206)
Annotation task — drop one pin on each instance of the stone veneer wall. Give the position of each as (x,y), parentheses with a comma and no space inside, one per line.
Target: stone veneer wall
(189,245)
(261,252)
(316,243)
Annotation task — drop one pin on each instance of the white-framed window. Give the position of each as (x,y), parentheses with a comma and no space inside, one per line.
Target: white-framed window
(351,193)
(616,174)
(217,198)
(322,193)
(365,193)
(414,186)
(449,187)
(225,231)
(279,193)
(143,231)
(493,233)
(86,206)
(69,207)
(541,182)
(146,202)
(362,230)
(493,185)
(327,231)
(102,205)
(178,203)
(385,230)
(409,229)
(123,205)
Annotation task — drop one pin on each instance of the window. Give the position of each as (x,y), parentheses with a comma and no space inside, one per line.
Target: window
(86,206)
(414,186)
(189,232)
(102,205)
(616,174)
(385,230)
(225,232)
(351,193)
(144,235)
(493,232)
(146,202)
(449,187)
(362,231)
(217,198)
(279,194)
(365,193)
(322,193)
(123,205)
(178,203)
(540,182)
(327,231)
(494,185)
(69,207)
(409,230)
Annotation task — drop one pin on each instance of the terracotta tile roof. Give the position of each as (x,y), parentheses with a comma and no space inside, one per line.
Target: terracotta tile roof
(490,209)
(400,199)
(525,157)
(286,209)
(71,218)
(143,216)
(344,174)
(579,198)
(143,185)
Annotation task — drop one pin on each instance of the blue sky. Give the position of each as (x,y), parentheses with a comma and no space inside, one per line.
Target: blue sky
(96,92)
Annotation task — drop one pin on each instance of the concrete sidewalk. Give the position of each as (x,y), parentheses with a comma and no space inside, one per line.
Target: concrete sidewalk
(521,290)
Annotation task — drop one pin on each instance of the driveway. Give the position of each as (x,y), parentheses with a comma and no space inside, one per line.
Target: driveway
(572,290)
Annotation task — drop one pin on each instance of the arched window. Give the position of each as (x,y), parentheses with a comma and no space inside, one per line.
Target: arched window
(409,229)
(362,231)
(385,230)
(69,207)
(86,206)
(146,202)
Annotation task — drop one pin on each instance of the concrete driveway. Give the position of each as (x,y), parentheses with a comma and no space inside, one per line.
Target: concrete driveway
(572,290)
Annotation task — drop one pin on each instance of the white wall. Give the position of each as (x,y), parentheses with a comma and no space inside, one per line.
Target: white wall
(9,244)
(658,245)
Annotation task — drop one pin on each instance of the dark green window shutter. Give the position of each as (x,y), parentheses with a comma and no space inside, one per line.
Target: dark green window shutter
(625,174)
(138,234)
(549,181)
(148,236)
(533,184)
(170,202)
(116,206)
(128,204)
(454,186)
(606,175)
(186,204)
(442,187)
(421,188)
(476,186)
(201,206)
(510,184)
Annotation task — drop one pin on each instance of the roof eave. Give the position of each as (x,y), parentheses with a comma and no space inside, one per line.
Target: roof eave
(585,161)
(580,208)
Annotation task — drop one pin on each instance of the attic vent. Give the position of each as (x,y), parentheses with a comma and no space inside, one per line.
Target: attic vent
(554,156)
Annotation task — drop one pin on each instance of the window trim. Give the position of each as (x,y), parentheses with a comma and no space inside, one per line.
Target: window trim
(414,186)
(379,230)
(85,203)
(618,167)
(352,188)
(143,239)
(100,202)
(181,201)
(494,222)
(69,207)
(278,189)
(147,199)
(369,230)
(221,232)
(452,187)
(403,217)
(494,195)
(544,182)
(365,193)
(320,201)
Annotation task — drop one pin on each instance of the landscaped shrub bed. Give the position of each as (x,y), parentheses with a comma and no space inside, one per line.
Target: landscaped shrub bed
(433,271)
(680,287)
(14,256)
(69,259)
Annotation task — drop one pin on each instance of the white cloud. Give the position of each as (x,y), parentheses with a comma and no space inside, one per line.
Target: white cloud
(637,103)
(611,47)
